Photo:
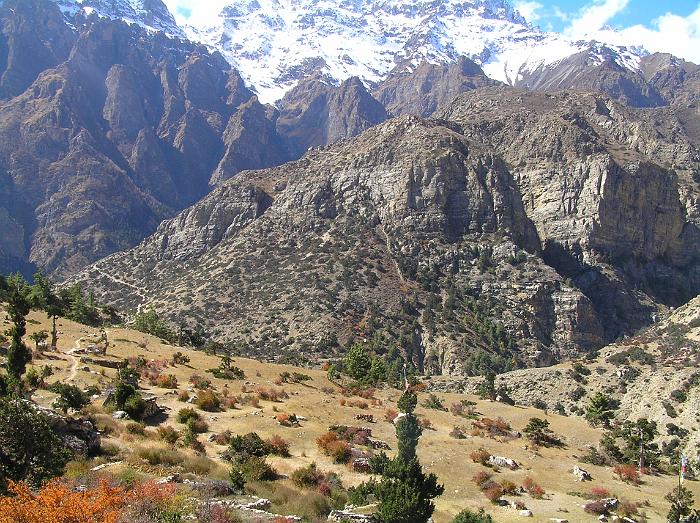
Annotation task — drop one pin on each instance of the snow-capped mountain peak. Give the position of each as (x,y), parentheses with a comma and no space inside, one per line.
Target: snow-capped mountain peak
(275,43)
(150,14)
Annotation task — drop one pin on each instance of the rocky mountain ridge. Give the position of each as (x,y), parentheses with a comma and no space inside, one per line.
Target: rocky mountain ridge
(109,128)
(557,223)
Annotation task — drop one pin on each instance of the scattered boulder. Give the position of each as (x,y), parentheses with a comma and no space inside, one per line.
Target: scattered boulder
(525,513)
(120,414)
(581,474)
(78,434)
(348,516)
(500,461)
(378,444)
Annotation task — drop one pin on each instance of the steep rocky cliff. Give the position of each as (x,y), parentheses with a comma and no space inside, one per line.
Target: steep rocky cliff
(107,128)
(506,236)
(317,113)
(421,90)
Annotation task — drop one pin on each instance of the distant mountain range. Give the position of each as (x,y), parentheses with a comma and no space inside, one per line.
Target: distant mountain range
(276,43)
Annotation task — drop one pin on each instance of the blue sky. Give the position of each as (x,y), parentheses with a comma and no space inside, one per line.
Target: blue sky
(555,14)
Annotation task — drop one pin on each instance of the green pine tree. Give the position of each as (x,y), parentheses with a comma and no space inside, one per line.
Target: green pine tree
(18,354)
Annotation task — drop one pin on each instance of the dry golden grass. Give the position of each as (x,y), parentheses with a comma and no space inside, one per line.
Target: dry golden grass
(449,458)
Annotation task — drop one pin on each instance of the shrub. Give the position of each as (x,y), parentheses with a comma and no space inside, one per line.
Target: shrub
(532,488)
(208,400)
(183,396)
(509,487)
(243,447)
(599,493)
(426,424)
(493,427)
(186,414)
(180,359)
(166,382)
(278,446)
(198,382)
(223,438)
(160,456)
(270,394)
(307,477)
(464,409)
(493,492)
(390,415)
(135,406)
(56,501)
(458,433)
(286,420)
(168,434)
(480,456)
(597,508)
(197,425)
(627,473)
(257,469)
(433,402)
(136,428)
(480,478)
(467,516)
(332,446)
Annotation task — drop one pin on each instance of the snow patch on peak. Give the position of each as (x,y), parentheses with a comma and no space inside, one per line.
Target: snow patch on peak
(274,43)
(152,15)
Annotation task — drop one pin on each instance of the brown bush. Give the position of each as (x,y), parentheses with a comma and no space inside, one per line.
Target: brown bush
(426,424)
(332,446)
(493,492)
(480,478)
(493,427)
(166,382)
(480,456)
(627,473)
(278,446)
(599,493)
(168,434)
(390,415)
(270,394)
(183,395)
(597,508)
(509,487)
(532,488)
(223,438)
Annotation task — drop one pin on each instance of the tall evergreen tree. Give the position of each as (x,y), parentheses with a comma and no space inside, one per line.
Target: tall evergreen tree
(18,354)
(405,492)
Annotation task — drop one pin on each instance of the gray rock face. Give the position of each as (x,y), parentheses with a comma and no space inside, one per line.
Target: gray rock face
(545,219)
(107,129)
(316,113)
(595,69)
(421,91)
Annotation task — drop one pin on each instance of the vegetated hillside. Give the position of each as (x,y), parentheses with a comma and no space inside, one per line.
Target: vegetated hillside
(132,452)
(519,227)
(653,374)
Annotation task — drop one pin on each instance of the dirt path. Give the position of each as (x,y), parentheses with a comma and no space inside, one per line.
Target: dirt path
(74,362)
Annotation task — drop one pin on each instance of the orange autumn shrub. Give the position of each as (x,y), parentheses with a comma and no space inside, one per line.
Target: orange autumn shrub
(57,503)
